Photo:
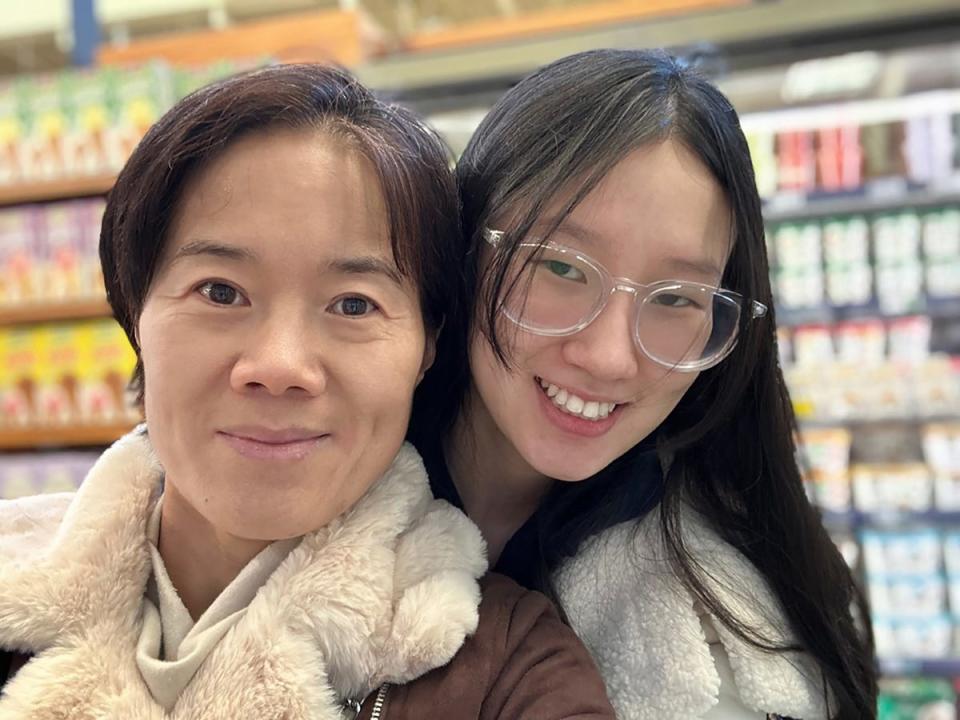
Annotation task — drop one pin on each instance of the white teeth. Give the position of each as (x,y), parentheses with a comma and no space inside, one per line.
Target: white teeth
(574,405)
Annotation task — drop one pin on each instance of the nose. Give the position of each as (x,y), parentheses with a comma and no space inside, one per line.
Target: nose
(605,348)
(280,357)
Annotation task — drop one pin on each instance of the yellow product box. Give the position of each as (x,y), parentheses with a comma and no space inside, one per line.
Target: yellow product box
(140,95)
(12,131)
(89,113)
(57,382)
(18,392)
(46,125)
(106,363)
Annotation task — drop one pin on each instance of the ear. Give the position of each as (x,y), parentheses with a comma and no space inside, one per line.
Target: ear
(429,352)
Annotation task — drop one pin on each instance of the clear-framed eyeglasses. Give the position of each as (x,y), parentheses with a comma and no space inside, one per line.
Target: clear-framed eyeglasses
(556,290)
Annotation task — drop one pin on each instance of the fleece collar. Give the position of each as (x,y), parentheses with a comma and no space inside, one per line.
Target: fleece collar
(384,593)
(643,628)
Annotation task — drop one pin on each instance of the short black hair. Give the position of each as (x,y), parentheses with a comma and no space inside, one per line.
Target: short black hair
(410,161)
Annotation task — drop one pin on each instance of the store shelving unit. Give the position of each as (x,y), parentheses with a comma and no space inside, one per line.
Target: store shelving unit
(62,189)
(53,312)
(33,438)
(53,437)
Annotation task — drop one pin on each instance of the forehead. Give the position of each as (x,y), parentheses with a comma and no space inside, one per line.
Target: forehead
(293,192)
(659,202)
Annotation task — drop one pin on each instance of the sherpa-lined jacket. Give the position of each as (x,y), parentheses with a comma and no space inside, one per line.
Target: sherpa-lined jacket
(660,655)
(381,605)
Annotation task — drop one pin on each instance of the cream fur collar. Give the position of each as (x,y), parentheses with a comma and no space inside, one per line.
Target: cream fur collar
(384,593)
(643,628)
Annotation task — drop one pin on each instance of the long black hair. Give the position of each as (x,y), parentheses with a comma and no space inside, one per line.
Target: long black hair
(728,447)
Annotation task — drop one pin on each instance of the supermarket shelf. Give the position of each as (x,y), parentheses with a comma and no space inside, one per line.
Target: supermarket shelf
(887,420)
(855,518)
(62,189)
(53,312)
(943,667)
(91,435)
(878,197)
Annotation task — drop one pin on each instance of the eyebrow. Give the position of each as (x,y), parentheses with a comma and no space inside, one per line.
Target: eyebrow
(366,265)
(361,265)
(589,237)
(204,247)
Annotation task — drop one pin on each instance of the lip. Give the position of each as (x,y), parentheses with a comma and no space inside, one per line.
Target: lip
(572,424)
(269,444)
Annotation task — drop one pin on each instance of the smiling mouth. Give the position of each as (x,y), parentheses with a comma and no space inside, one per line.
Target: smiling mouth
(572,404)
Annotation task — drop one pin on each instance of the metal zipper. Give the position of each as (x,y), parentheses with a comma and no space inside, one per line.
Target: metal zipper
(378,703)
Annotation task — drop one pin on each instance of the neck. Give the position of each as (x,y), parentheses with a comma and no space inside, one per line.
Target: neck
(499,489)
(200,560)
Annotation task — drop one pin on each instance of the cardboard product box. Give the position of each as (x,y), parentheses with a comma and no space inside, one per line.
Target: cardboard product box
(90,217)
(89,111)
(13,130)
(62,229)
(18,393)
(20,274)
(106,363)
(140,96)
(44,157)
(57,374)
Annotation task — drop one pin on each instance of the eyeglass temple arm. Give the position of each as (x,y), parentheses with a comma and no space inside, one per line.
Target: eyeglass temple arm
(492,236)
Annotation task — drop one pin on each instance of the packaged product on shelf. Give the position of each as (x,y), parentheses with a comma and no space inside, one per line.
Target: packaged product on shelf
(106,365)
(849,274)
(43,148)
(915,552)
(839,158)
(31,474)
(880,488)
(797,170)
(62,235)
(799,265)
(882,145)
(909,338)
(21,271)
(813,345)
(899,270)
(763,152)
(863,342)
(141,95)
(916,699)
(936,386)
(90,213)
(88,111)
(941,450)
(927,146)
(826,456)
(57,381)
(13,104)
(941,250)
(18,395)
(928,638)
(908,596)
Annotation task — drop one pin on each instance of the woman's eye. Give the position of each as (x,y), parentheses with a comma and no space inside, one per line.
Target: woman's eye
(220,293)
(564,270)
(673,300)
(354,306)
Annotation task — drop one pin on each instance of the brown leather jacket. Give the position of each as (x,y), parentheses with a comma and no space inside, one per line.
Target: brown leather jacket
(523,662)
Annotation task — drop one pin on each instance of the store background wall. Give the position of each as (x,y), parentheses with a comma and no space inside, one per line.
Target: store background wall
(852,110)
